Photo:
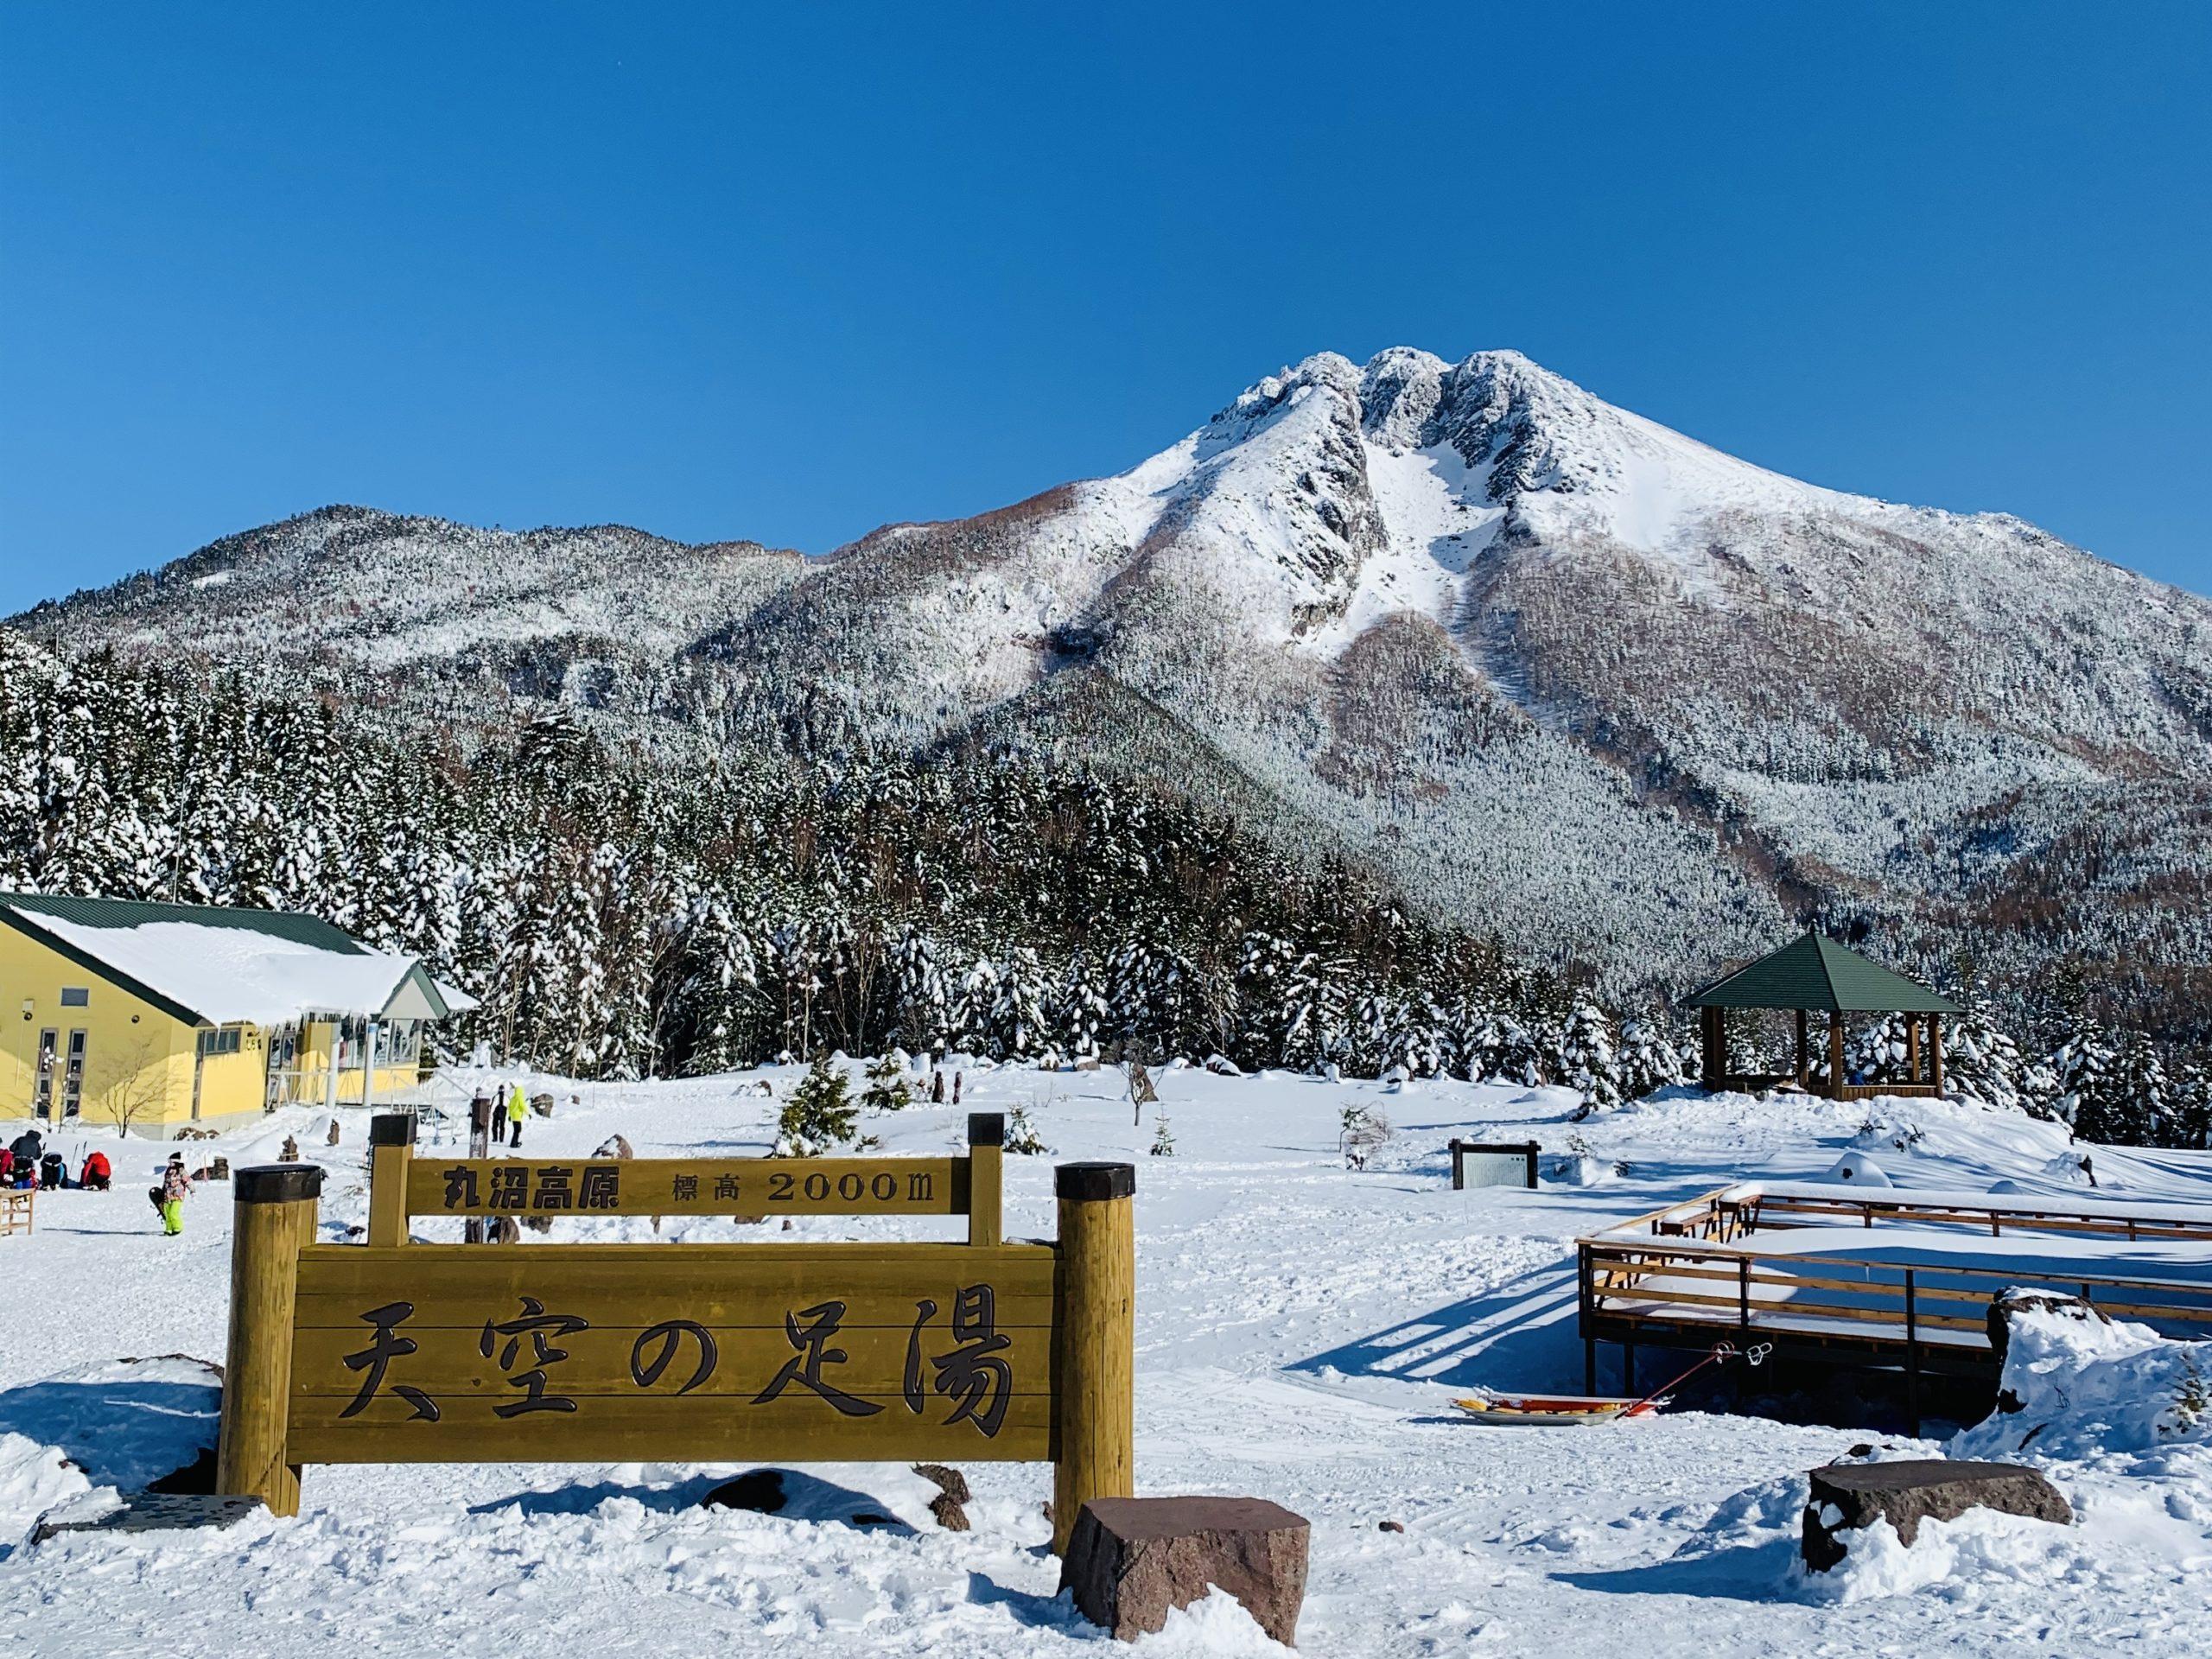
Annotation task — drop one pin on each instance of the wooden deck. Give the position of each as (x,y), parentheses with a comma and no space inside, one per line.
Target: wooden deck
(1888,1279)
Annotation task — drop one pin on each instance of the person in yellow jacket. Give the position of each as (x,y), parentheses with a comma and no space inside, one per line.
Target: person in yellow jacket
(518,1103)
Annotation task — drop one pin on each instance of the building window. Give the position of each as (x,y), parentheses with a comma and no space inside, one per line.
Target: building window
(76,996)
(224,1041)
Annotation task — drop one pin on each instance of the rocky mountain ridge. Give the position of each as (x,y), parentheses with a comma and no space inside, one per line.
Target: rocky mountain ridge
(1563,672)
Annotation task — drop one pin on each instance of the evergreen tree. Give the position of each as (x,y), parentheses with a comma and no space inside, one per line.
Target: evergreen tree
(1081,1012)
(819,1114)
(2191,1124)
(1016,1024)
(1587,1059)
(2141,1106)
(1649,1060)
(2083,1066)
(1878,1052)
(888,1088)
(1021,1136)
(1981,1061)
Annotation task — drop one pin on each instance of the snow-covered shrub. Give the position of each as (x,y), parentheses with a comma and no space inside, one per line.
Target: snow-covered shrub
(819,1114)
(1365,1130)
(888,1088)
(1022,1134)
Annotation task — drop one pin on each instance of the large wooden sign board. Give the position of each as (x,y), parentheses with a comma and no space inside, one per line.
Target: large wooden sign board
(604,1352)
(400,1351)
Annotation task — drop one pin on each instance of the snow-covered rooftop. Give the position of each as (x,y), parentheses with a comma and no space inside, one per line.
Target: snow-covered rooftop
(228,974)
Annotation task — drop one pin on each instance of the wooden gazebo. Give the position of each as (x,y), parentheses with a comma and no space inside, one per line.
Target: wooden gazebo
(1815,973)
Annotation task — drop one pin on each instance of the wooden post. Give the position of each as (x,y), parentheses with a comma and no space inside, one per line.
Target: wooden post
(1097,1368)
(1835,1055)
(1912,1048)
(1712,1027)
(275,1215)
(1911,1352)
(1935,1050)
(986,1178)
(1804,1049)
(392,1146)
(480,1145)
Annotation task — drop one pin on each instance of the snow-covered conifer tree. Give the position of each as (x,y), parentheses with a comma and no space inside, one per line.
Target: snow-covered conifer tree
(1588,1060)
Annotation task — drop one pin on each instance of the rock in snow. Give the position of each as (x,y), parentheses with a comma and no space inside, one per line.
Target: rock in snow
(1133,1561)
(1907,1492)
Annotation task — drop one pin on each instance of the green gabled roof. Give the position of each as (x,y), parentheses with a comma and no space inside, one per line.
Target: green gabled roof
(138,912)
(1815,972)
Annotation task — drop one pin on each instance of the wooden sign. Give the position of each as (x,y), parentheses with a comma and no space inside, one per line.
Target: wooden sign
(401,1352)
(402,1186)
(672,1186)
(695,1352)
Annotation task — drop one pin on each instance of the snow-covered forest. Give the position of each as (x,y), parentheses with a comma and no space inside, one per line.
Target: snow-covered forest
(624,920)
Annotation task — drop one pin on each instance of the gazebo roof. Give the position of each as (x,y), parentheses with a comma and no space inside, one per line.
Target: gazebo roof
(1815,972)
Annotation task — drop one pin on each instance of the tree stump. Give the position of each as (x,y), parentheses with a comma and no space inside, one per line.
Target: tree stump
(1132,1559)
(1849,1496)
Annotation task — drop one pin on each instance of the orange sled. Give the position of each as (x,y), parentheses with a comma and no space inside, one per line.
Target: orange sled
(1556,1411)
(1569,1410)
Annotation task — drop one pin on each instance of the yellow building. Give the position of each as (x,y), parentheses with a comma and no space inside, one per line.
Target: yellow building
(152,1017)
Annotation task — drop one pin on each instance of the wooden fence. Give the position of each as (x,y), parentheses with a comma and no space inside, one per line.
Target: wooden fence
(1694,1273)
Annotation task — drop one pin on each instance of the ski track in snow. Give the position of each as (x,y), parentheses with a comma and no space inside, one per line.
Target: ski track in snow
(1300,1329)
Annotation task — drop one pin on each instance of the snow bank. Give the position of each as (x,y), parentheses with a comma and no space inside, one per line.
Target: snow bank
(1982,1544)
(37,1480)
(2093,1392)
(1215,1627)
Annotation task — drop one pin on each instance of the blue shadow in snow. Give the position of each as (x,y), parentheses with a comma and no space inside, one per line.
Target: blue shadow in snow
(1521,1335)
(123,1433)
(806,1497)
(1741,1572)
(1030,1609)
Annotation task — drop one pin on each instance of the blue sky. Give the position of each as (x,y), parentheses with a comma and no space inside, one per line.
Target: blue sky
(788,274)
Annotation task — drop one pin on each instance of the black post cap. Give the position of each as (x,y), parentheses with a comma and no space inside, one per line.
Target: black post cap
(1095,1183)
(987,1128)
(392,1129)
(276,1182)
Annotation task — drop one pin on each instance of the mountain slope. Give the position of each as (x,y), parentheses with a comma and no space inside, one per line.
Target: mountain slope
(1570,675)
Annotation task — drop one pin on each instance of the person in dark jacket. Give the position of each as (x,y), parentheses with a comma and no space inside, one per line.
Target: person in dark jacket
(28,1148)
(52,1172)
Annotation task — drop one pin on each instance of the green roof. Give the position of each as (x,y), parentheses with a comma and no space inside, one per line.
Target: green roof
(311,930)
(1815,972)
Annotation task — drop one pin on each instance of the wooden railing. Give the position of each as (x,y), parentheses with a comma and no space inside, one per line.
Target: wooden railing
(1738,1212)
(1886,1302)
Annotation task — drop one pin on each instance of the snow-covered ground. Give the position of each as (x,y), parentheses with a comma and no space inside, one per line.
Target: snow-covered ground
(1301,1329)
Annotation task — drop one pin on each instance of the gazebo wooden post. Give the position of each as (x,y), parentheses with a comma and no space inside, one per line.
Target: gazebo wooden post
(1912,1048)
(1804,1051)
(1935,1050)
(1835,1055)
(1713,1028)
